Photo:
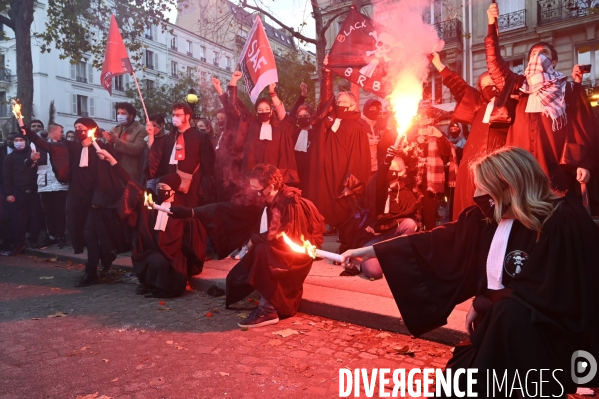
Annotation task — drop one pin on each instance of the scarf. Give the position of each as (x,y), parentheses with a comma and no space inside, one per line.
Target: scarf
(497,254)
(178,154)
(302,141)
(264,221)
(336,125)
(547,88)
(266,132)
(435,168)
(162,217)
(84,160)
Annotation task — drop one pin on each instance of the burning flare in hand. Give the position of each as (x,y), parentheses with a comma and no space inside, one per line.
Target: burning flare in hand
(16,110)
(148,201)
(310,250)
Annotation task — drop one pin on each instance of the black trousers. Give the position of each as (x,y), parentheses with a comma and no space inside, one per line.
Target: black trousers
(27,212)
(55,212)
(104,237)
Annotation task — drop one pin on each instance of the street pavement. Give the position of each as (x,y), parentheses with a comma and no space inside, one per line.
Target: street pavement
(63,342)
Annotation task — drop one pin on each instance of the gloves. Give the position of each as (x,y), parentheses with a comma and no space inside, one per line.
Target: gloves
(179,212)
(391,153)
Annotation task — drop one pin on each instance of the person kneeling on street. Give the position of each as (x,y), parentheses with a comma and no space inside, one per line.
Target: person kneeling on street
(270,267)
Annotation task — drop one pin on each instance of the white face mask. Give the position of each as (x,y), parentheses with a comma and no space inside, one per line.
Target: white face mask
(177,121)
(19,145)
(121,119)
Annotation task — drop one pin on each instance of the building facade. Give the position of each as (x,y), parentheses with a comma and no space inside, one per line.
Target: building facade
(75,88)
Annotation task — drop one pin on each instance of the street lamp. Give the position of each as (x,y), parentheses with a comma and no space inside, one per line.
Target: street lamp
(192,100)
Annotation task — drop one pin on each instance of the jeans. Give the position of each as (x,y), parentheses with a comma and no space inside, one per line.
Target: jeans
(55,212)
(372,268)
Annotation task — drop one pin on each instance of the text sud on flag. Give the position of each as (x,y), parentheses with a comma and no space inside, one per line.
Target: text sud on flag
(116,57)
(257,62)
(360,53)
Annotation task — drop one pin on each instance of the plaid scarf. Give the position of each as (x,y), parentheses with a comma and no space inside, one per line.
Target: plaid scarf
(435,168)
(547,86)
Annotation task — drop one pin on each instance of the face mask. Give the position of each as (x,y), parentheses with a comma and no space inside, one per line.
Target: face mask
(163,195)
(489,92)
(19,145)
(487,205)
(221,124)
(70,138)
(303,121)
(177,121)
(81,134)
(263,116)
(203,131)
(455,133)
(340,109)
(121,119)
(372,115)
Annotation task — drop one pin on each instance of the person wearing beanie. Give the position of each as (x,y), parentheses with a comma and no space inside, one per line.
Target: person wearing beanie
(163,255)
(20,188)
(92,190)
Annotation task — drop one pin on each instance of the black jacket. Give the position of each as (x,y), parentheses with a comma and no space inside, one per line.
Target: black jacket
(19,172)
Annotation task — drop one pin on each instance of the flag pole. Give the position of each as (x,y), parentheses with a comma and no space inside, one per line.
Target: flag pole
(141,97)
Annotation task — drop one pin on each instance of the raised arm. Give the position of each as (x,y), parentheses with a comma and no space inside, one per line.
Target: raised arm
(300,100)
(276,102)
(235,109)
(454,82)
(37,140)
(326,86)
(498,68)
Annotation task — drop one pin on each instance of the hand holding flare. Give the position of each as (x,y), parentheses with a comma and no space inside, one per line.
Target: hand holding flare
(16,110)
(149,202)
(310,250)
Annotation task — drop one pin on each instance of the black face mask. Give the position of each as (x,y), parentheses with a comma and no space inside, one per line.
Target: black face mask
(487,205)
(303,121)
(340,109)
(163,195)
(489,92)
(372,115)
(203,131)
(263,116)
(81,134)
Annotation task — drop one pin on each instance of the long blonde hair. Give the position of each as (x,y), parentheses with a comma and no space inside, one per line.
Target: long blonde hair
(516,170)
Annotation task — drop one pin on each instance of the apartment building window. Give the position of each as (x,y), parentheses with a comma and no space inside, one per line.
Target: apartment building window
(151,32)
(229,63)
(589,55)
(189,48)
(215,59)
(203,77)
(174,68)
(3,105)
(509,6)
(174,42)
(82,105)
(203,53)
(517,66)
(190,72)
(151,60)
(78,72)
(149,85)
(120,82)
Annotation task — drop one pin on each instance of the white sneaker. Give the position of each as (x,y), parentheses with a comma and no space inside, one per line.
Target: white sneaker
(241,254)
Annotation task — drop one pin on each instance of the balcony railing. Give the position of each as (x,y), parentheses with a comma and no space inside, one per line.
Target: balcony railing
(81,79)
(119,87)
(5,74)
(83,113)
(174,48)
(190,54)
(550,11)
(240,40)
(450,31)
(513,20)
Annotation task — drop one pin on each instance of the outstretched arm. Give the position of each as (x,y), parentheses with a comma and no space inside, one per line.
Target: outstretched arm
(498,68)
(454,82)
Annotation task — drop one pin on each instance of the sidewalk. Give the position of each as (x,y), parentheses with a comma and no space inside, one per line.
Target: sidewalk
(351,299)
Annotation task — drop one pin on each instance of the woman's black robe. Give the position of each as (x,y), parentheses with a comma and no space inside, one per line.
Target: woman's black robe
(270,266)
(551,312)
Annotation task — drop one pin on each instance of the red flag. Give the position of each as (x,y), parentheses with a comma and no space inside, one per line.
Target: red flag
(116,57)
(360,53)
(257,62)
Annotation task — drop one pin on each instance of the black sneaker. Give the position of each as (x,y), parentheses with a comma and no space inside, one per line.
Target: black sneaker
(47,243)
(107,262)
(87,280)
(62,243)
(34,244)
(258,318)
(142,289)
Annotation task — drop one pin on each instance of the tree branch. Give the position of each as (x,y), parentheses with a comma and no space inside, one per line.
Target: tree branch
(293,32)
(7,22)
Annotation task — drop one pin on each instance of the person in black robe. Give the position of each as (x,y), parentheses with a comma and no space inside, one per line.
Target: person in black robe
(383,209)
(262,138)
(553,118)
(270,267)
(529,258)
(476,106)
(185,151)
(68,167)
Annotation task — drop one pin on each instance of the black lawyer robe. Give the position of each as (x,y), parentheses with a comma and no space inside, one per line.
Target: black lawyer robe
(270,266)
(552,310)
(338,155)
(227,166)
(82,181)
(199,154)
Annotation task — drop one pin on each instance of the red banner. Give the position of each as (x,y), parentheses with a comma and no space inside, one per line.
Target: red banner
(116,57)
(360,53)
(257,62)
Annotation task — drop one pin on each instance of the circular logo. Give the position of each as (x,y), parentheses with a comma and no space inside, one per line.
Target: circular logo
(514,261)
(341,38)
